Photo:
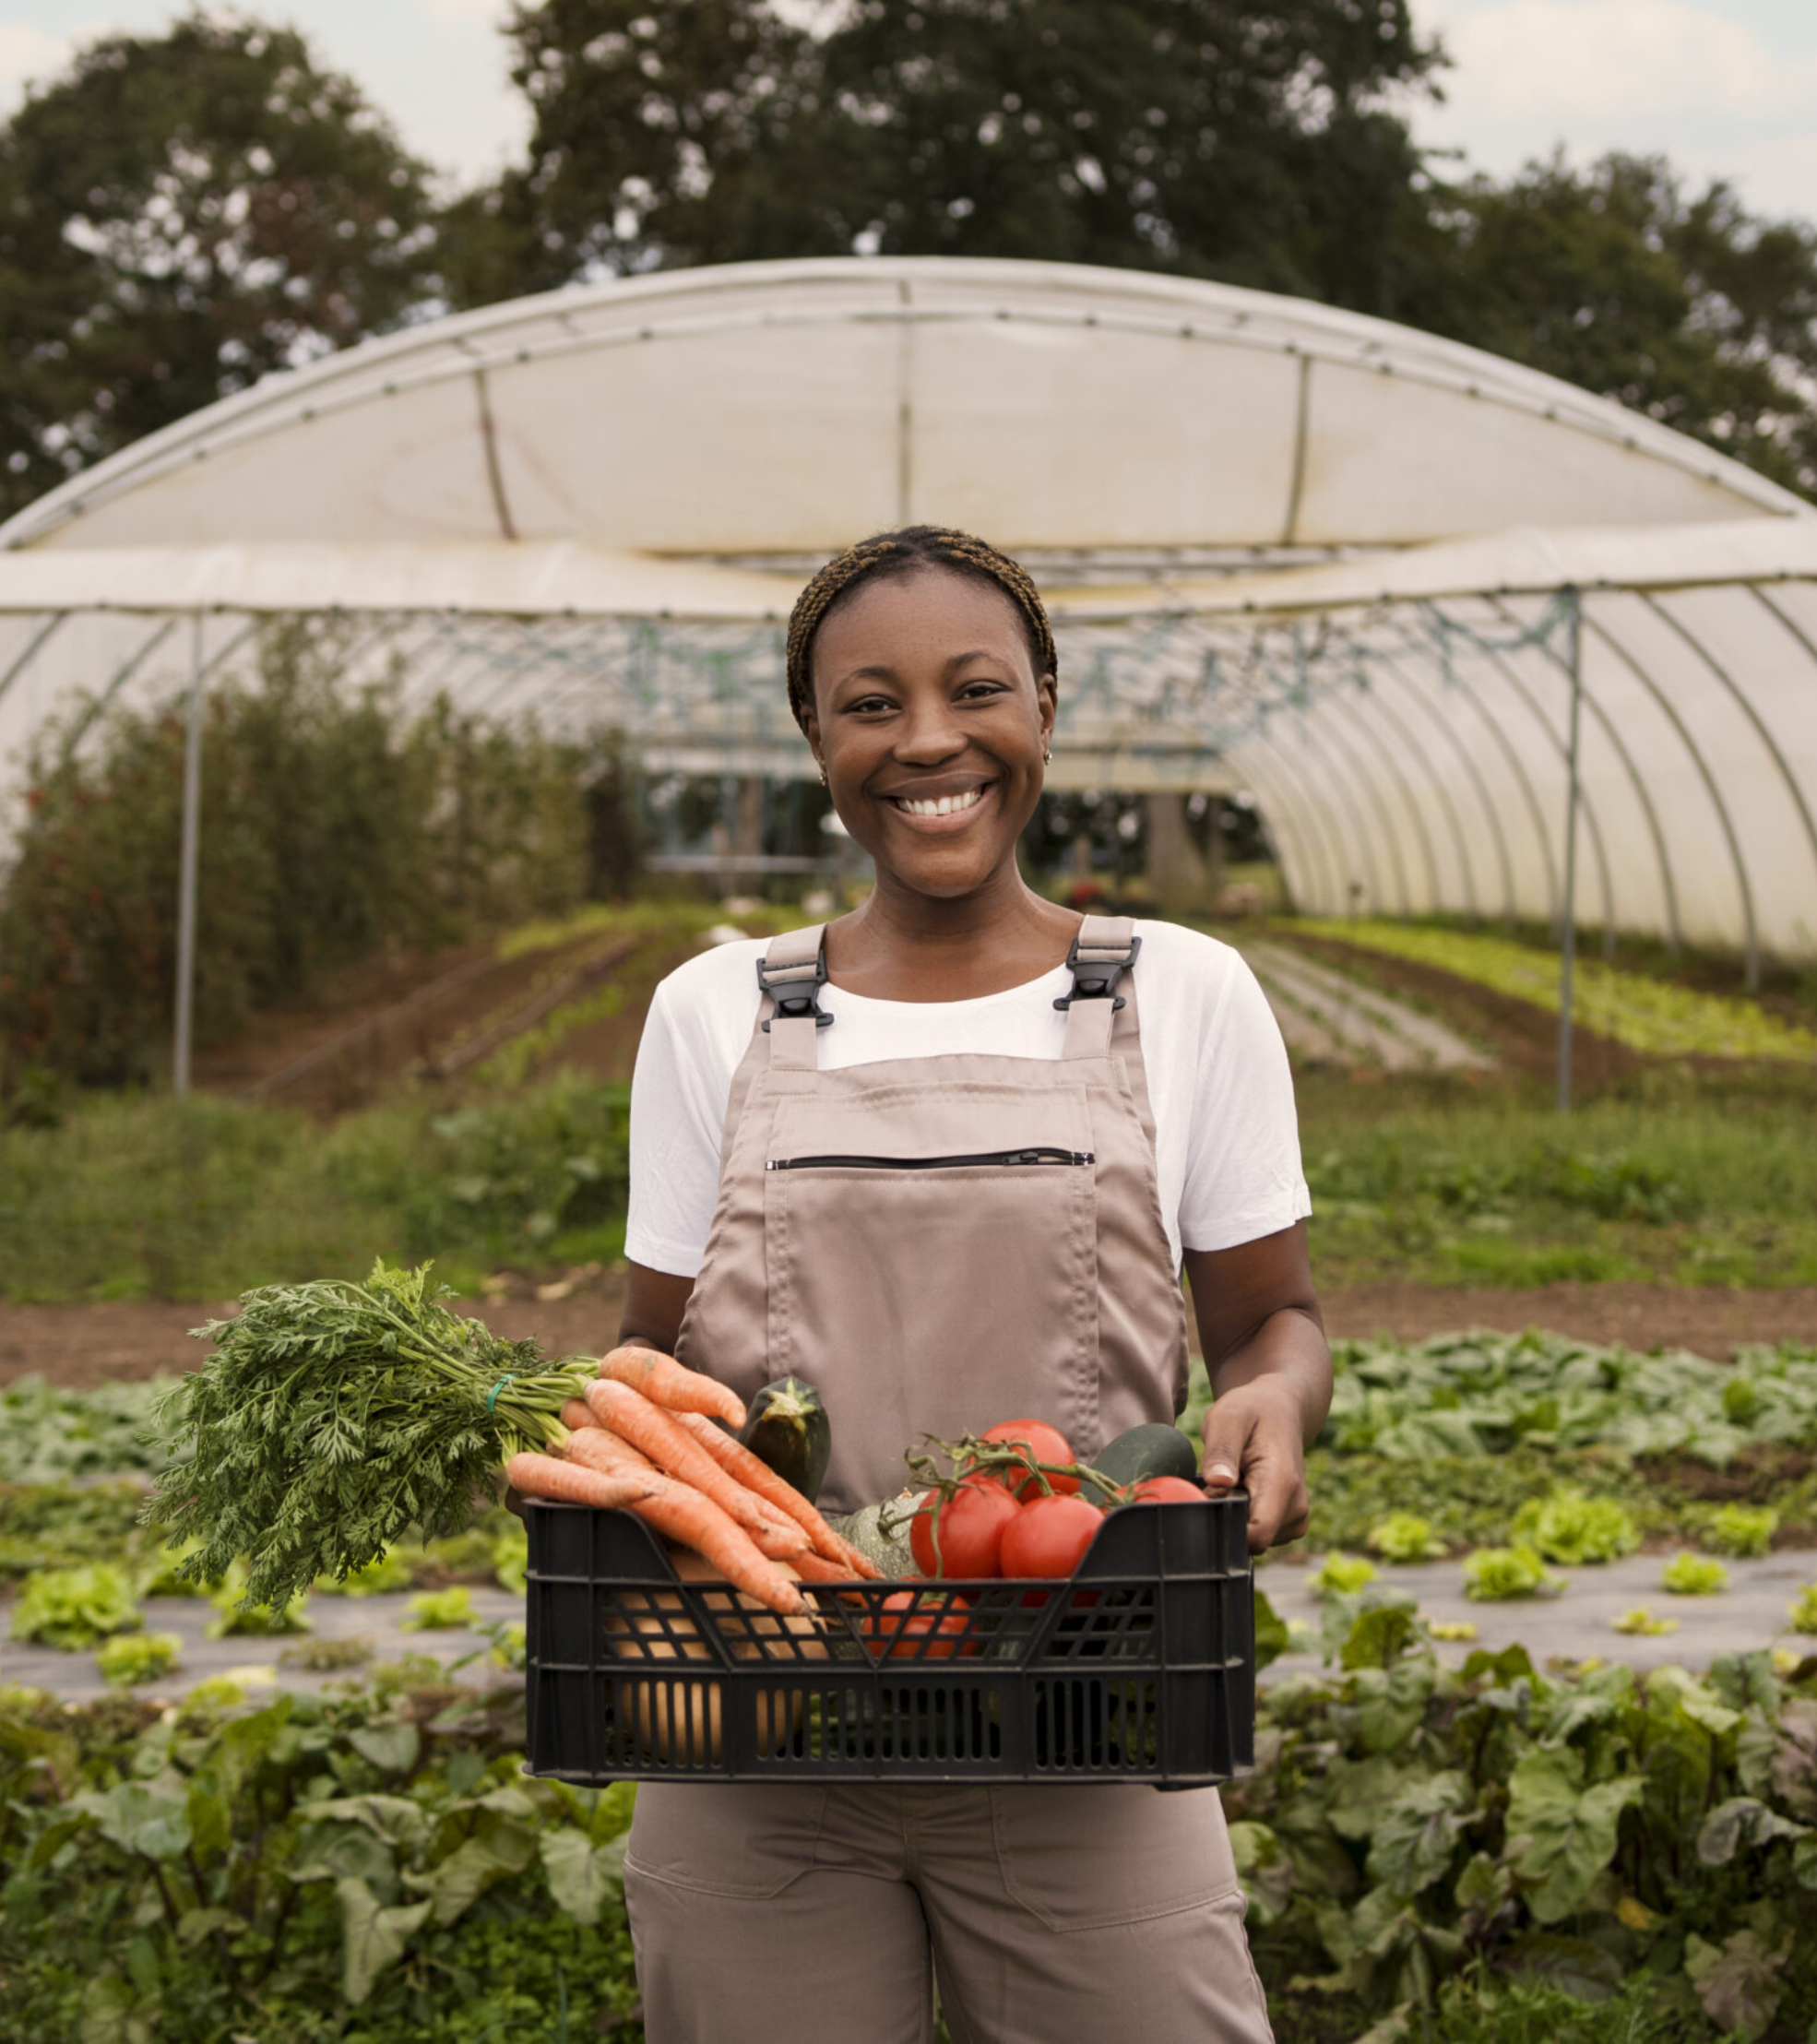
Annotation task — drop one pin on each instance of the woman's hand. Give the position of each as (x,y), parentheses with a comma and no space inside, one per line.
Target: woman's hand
(1263,1343)
(1253,1437)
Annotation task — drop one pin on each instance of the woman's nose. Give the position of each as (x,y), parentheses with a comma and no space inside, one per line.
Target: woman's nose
(929,734)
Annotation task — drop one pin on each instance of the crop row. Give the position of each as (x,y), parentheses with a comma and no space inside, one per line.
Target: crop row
(1646,1014)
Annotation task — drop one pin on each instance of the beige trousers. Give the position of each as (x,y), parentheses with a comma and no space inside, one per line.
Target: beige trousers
(798,1915)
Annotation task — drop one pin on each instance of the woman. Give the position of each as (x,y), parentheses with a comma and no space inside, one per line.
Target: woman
(785,1215)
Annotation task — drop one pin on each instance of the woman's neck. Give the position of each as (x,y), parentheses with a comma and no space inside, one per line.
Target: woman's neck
(907,946)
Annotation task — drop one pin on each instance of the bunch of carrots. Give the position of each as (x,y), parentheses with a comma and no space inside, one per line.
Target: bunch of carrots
(647,1438)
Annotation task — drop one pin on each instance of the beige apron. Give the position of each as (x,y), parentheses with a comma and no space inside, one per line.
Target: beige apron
(940,1243)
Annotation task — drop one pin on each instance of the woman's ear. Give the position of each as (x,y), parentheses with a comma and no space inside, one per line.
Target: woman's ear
(1047,694)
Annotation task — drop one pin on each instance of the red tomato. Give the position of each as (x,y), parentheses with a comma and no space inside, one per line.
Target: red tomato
(903,1631)
(1168,1489)
(970,1530)
(1050,1536)
(1045,1443)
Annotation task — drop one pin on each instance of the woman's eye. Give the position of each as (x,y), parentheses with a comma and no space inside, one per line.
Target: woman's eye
(979,691)
(868,705)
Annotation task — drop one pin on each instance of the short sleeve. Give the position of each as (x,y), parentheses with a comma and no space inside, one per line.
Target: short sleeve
(1243,1176)
(678,1112)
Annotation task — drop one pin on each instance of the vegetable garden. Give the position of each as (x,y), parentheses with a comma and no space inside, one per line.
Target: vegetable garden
(1438,1841)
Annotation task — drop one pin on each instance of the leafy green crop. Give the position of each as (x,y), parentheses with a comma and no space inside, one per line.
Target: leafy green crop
(47,1435)
(1648,1014)
(237,1613)
(1641,1623)
(72,1608)
(1483,1394)
(129,1659)
(1693,1575)
(1743,1530)
(1496,1574)
(1405,1537)
(440,1611)
(1343,1574)
(1802,1616)
(331,1418)
(1571,1528)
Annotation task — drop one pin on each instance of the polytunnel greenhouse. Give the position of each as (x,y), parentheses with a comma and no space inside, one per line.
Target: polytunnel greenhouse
(1410,595)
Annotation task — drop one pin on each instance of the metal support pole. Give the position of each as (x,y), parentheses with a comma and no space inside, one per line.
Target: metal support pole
(1573,624)
(187,866)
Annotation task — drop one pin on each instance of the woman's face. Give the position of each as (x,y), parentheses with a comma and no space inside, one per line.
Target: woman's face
(931,721)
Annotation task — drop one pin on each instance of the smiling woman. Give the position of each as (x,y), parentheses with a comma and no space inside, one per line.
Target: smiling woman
(935,1164)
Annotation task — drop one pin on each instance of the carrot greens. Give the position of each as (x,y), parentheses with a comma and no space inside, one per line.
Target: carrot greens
(333,1415)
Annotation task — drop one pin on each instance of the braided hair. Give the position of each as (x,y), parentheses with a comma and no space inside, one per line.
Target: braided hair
(900,553)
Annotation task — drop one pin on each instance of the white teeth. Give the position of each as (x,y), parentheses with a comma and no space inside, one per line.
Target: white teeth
(942,805)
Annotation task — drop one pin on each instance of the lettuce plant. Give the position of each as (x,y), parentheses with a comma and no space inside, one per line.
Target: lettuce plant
(1693,1575)
(1496,1574)
(73,1608)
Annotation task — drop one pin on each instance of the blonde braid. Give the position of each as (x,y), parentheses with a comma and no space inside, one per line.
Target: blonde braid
(898,554)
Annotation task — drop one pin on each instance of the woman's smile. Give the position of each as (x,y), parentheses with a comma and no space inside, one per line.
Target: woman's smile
(940,809)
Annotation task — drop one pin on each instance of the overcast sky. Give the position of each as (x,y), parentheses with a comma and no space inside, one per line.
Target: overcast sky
(1727,88)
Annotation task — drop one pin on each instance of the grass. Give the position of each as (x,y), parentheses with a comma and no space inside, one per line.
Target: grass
(137,1197)
(1674,1179)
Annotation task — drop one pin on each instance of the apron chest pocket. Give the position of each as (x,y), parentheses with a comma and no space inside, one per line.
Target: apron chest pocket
(932,1266)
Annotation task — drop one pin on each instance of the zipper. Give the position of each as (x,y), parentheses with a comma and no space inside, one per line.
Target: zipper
(1042,1154)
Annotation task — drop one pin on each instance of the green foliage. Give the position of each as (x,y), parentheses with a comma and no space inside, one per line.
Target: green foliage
(327,1656)
(441,1610)
(1802,1617)
(1644,1012)
(1343,1574)
(200,1198)
(48,1435)
(332,1417)
(370,1865)
(72,1608)
(237,1613)
(1482,1394)
(1743,1530)
(1496,1574)
(388,1571)
(1571,1528)
(1677,303)
(1640,1623)
(1153,134)
(130,1658)
(1452,1848)
(332,828)
(1693,1575)
(180,215)
(1405,1537)
(49,1525)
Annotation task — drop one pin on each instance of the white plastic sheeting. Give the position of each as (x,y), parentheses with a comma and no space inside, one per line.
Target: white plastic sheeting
(1287,549)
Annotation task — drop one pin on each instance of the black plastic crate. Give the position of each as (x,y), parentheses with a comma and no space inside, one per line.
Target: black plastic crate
(1139,1667)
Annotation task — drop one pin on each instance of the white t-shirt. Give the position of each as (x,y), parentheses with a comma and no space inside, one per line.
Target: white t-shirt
(1227,1150)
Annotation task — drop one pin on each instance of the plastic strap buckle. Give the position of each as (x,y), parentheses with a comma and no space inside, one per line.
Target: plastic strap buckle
(1096,979)
(799,1005)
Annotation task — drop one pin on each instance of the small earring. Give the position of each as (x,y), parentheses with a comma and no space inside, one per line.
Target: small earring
(1047,756)
(823,773)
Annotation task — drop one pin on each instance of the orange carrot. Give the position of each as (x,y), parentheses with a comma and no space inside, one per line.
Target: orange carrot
(633,1418)
(756,1475)
(683,1515)
(670,1385)
(542,1475)
(596,1448)
(816,1568)
(577,1413)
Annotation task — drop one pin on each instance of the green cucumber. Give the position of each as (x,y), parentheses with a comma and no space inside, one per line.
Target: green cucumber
(786,1429)
(1149,1450)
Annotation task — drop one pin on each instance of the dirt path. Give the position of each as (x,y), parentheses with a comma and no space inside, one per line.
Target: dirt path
(80,1346)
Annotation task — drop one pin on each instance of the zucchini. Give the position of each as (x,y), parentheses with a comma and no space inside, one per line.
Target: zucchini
(786,1428)
(1149,1450)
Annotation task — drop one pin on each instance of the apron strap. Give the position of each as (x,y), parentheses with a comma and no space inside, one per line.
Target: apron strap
(791,972)
(1103,951)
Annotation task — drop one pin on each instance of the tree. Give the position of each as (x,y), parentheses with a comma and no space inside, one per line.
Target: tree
(180,215)
(1687,308)
(1200,135)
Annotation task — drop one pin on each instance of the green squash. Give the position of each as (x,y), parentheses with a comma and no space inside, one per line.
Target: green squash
(786,1428)
(1148,1450)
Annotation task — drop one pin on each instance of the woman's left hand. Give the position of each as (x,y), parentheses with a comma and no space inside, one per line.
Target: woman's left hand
(1253,1437)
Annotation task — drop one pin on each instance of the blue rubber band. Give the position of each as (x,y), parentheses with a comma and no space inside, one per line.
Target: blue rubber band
(491,1396)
